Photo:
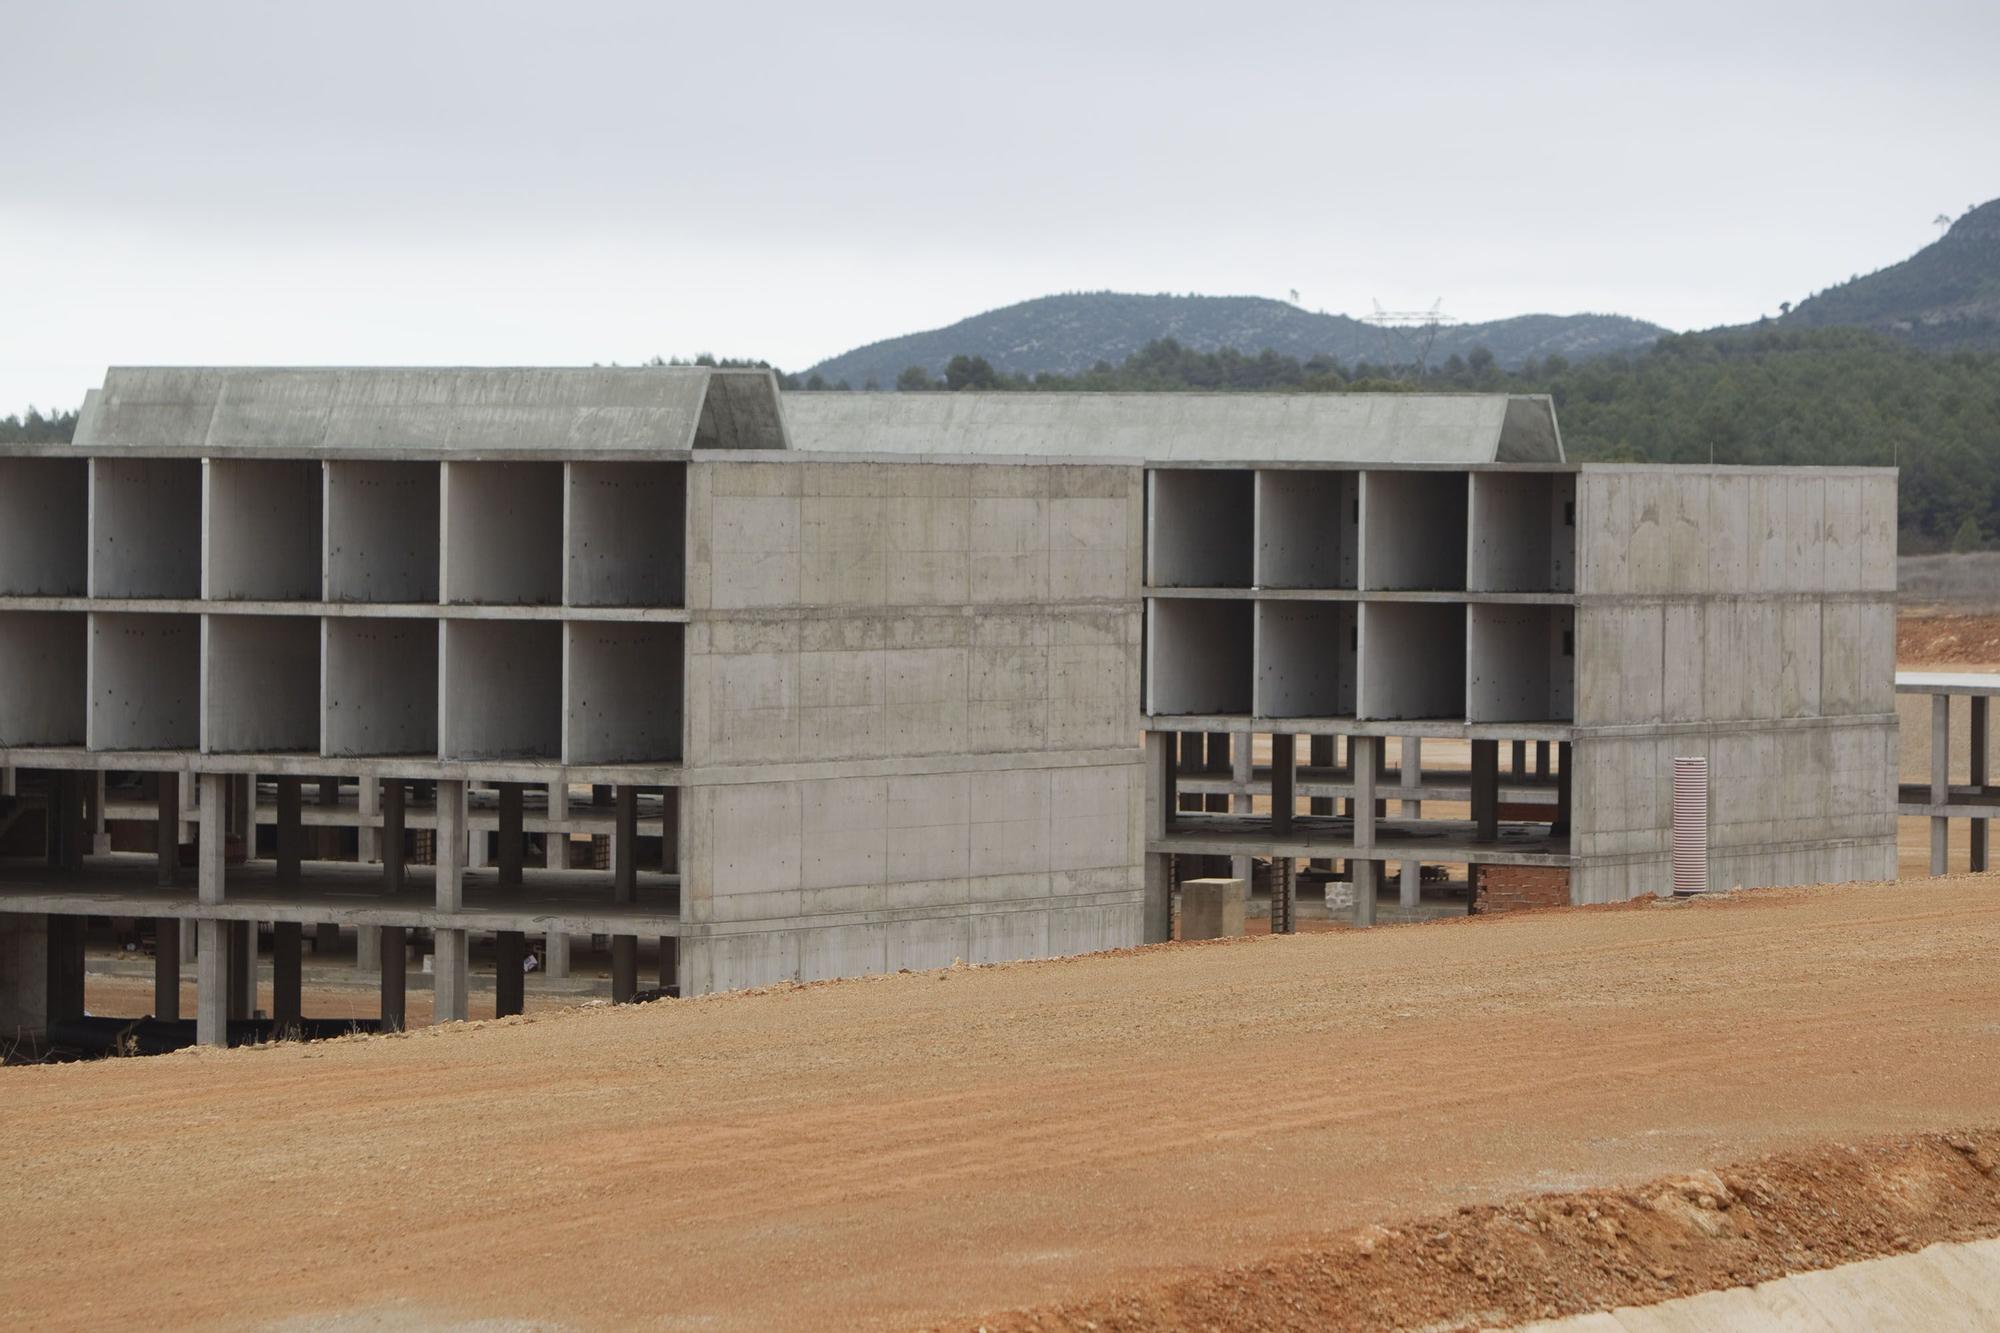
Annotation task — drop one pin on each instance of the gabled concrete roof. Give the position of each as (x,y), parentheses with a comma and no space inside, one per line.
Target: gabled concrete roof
(223,410)
(1386,428)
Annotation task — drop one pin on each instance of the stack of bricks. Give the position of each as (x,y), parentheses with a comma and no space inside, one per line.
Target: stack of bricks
(1519,889)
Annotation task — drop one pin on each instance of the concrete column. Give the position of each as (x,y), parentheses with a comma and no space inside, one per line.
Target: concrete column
(10,785)
(327,844)
(1284,783)
(169,843)
(1518,767)
(1979,778)
(511,840)
(1220,762)
(1486,790)
(510,953)
(100,828)
(670,964)
(1157,924)
(1563,769)
(326,938)
(1241,768)
(555,946)
(287,972)
(1410,776)
(670,830)
(24,972)
(188,934)
(367,949)
(1320,754)
(625,890)
(390,945)
(1364,756)
(209,860)
(243,811)
(1940,781)
(1541,759)
(394,841)
(624,968)
(211,1001)
(368,833)
(451,960)
(65,821)
(290,839)
(65,969)
(167,967)
(242,969)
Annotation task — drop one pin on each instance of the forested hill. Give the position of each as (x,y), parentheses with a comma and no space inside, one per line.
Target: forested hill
(31,427)
(1945,295)
(1769,395)
(1071,333)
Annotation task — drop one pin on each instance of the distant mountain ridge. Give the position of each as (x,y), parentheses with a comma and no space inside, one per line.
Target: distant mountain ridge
(1072,332)
(1945,295)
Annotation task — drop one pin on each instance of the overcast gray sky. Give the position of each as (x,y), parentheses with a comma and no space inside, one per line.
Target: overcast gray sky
(503,183)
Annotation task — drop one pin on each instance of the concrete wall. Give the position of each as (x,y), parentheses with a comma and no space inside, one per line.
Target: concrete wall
(1202,530)
(44,537)
(43,674)
(850,875)
(1749,614)
(379,694)
(1412,660)
(1201,656)
(1522,535)
(260,684)
(1308,529)
(1413,529)
(625,532)
(145,681)
(1305,659)
(622,691)
(912,729)
(502,539)
(381,532)
(145,527)
(500,694)
(1516,666)
(262,529)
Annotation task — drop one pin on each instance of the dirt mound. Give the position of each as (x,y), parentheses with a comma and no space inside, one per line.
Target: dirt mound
(1929,640)
(1562,1254)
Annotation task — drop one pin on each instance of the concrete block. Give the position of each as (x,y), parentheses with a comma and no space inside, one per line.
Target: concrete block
(381,531)
(625,534)
(145,681)
(502,533)
(379,693)
(500,694)
(1000,937)
(260,682)
(44,664)
(261,524)
(1211,909)
(145,527)
(44,527)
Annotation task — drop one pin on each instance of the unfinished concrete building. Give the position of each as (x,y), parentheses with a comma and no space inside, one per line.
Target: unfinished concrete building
(865,682)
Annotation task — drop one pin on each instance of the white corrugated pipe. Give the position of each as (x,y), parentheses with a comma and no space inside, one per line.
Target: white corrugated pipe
(1691,825)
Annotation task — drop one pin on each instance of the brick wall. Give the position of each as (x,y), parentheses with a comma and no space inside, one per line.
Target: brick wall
(1520,888)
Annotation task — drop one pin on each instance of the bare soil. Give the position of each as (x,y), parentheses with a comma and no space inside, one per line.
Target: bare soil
(935,1148)
(1947,639)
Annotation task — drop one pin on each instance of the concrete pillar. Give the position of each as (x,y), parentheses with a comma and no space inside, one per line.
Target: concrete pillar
(1979,778)
(1364,755)
(368,833)
(1284,783)
(327,844)
(1320,755)
(24,972)
(1563,769)
(390,945)
(65,967)
(1410,776)
(367,949)
(168,811)
(393,848)
(100,828)
(188,934)
(10,785)
(624,968)
(555,946)
(209,862)
(510,953)
(211,1001)
(167,968)
(1241,769)
(1541,759)
(243,811)
(1940,781)
(65,821)
(670,964)
(1221,763)
(1486,790)
(511,840)
(625,890)
(290,840)
(242,969)
(1156,924)
(326,938)
(670,830)
(555,953)
(287,972)
(452,955)
(1518,767)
